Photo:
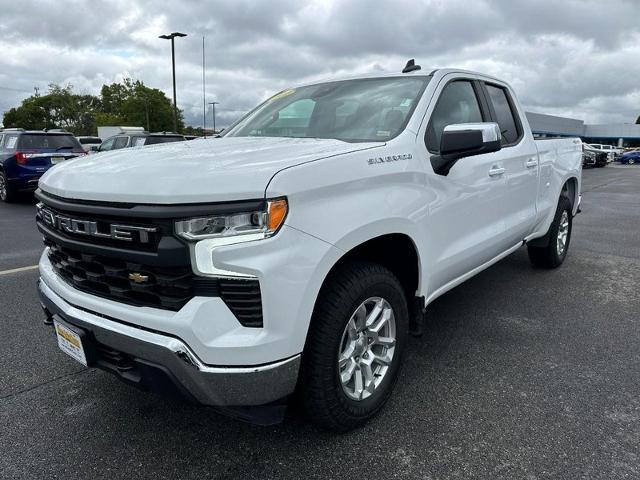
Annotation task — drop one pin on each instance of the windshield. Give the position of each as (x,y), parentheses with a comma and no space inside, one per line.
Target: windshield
(364,110)
(44,141)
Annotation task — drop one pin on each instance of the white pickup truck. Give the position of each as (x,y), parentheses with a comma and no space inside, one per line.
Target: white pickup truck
(298,251)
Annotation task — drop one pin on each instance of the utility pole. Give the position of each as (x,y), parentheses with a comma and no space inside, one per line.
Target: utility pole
(213,104)
(172,37)
(204,101)
(146,110)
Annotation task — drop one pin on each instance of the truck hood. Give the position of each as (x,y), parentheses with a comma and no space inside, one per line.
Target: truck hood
(197,171)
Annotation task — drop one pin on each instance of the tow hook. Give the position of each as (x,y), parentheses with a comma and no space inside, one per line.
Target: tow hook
(48,318)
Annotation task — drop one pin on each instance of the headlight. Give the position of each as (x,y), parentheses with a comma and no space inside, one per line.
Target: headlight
(258,224)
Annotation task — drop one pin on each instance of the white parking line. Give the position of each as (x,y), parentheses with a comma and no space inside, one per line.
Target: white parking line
(17,270)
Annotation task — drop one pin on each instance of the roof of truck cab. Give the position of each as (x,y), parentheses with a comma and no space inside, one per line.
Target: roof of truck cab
(426,72)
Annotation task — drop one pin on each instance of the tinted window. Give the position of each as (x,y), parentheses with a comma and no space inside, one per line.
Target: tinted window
(504,114)
(32,141)
(120,142)
(151,140)
(350,110)
(90,140)
(457,104)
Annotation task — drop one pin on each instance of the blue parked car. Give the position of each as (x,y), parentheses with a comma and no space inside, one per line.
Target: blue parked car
(630,157)
(26,155)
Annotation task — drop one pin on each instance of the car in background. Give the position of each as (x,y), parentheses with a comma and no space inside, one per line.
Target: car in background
(588,158)
(630,157)
(611,151)
(139,139)
(25,155)
(90,144)
(594,157)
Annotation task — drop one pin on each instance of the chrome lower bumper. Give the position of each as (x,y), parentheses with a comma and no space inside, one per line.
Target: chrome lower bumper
(209,385)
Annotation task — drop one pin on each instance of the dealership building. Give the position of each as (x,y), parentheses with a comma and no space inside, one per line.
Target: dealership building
(619,134)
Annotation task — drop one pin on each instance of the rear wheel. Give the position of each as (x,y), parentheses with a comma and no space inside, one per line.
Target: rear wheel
(554,252)
(354,350)
(631,161)
(7,194)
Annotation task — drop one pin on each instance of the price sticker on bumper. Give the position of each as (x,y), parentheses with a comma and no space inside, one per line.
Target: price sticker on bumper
(70,343)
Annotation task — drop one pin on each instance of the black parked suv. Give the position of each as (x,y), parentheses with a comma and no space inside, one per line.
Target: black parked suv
(26,154)
(139,139)
(592,157)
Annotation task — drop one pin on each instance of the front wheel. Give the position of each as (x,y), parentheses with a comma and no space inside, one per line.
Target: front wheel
(554,252)
(355,345)
(631,161)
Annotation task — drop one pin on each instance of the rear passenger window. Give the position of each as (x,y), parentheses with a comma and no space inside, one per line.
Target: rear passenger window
(120,142)
(11,142)
(457,104)
(504,114)
(139,141)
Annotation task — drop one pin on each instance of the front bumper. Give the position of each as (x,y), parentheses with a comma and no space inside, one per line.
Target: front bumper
(160,362)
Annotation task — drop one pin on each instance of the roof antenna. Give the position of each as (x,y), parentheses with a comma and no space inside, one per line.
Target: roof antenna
(411,66)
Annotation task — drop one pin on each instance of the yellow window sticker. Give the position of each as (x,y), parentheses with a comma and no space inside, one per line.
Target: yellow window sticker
(284,93)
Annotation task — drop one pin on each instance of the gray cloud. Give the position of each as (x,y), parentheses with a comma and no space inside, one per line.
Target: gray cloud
(576,58)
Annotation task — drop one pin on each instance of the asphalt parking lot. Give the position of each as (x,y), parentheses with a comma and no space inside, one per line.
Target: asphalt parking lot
(521,373)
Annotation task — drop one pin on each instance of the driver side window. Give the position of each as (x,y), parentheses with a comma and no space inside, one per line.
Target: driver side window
(107,145)
(457,103)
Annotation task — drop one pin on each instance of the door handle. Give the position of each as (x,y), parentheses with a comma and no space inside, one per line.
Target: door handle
(496,171)
(531,163)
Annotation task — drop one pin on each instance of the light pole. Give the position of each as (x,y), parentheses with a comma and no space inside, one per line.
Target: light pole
(213,104)
(171,37)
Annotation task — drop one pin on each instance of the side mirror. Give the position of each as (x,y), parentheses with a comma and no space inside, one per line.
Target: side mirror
(465,140)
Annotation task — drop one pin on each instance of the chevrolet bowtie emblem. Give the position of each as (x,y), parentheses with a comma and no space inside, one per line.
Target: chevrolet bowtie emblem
(138,277)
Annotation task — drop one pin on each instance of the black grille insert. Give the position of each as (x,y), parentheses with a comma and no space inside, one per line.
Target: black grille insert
(168,288)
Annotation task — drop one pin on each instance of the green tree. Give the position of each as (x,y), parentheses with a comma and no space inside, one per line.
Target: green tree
(129,103)
(58,108)
(134,104)
(197,131)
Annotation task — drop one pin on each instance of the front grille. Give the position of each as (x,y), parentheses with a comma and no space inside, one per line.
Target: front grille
(104,223)
(168,288)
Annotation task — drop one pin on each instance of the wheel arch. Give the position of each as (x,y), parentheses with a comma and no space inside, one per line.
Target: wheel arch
(570,189)
(396,251)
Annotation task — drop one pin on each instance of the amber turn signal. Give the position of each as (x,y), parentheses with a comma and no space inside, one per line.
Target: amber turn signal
(277,211)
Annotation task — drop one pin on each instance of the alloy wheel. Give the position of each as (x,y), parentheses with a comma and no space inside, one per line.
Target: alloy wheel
(366,348)
(563,233)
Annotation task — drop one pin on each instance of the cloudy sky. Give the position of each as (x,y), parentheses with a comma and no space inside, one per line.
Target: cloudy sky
(577,58)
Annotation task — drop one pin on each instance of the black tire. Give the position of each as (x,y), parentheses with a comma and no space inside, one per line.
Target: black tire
(549,256)
(7,194)
(320,389)
(631,161)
